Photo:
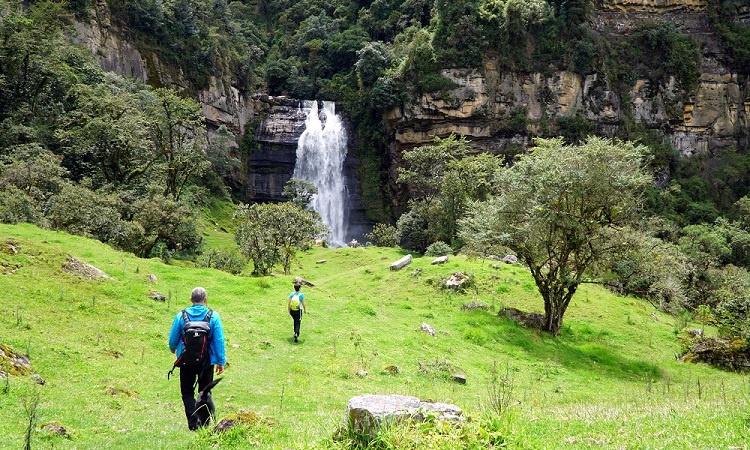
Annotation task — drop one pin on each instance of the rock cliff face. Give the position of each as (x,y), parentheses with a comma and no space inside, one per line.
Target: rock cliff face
(484,102)
(222,103)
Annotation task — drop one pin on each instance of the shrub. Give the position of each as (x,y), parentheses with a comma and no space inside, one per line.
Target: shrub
(733,311)
(725,353)
(438,248)
(16,206)
(226,260)
(79,210)
(384,235)
(413,230)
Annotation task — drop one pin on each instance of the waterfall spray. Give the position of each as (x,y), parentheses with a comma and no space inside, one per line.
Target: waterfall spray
(321,151)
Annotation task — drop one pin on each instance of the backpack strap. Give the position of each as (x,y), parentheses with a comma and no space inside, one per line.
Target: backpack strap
(186,320)
(178,360)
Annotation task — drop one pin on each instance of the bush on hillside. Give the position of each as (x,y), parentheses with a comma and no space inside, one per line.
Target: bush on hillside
(79,210)
(226,260)
(16,206)
(413,230)
(384,235)
(438,248)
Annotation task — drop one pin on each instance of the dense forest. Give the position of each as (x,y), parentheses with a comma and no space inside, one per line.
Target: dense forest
(95,153)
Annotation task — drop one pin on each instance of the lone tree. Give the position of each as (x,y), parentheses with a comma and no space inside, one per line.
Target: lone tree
(560,208)
(271,233)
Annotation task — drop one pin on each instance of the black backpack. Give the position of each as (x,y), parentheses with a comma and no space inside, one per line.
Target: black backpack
(195,339)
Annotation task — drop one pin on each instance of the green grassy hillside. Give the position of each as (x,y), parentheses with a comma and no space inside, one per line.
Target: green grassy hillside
(609,381)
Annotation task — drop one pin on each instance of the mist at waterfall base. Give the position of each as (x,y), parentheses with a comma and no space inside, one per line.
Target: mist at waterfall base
(321,151)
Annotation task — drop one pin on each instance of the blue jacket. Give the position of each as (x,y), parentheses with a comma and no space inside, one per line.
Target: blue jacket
(197,313)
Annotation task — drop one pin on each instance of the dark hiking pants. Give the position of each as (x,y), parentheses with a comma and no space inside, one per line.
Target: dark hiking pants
(297,316)
(188,375)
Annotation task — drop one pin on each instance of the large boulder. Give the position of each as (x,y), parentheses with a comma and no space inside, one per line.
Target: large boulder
(365,413)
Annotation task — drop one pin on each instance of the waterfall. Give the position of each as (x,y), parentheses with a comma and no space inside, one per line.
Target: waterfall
(321,151)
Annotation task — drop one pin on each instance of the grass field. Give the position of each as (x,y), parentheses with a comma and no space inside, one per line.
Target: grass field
(610,380)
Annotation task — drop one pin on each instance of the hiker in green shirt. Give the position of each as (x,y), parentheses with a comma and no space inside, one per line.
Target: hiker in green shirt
(296,306)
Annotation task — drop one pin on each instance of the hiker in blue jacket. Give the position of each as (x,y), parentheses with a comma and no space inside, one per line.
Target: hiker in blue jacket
(296,306)
(210,358)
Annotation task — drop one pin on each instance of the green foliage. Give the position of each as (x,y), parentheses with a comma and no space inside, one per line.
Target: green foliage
(558,209)
(425,166)
(79,210)
(166,224)
(734,37)
(486,433)
(652,269)
(458,34)
(413,229)
(269,234)
(178,137)
(576,127)
(34,170)
(227,260)
(733,310)
(225,166)
(385,94)
(203,39)
(661,50)
(372,62)
(443,180)
(107,128)
(384,235)
(438,248)
(17,206)
(299,192)
(519,120)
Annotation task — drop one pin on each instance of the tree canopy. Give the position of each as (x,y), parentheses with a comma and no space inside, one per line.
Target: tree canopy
(560,208)
(271,233)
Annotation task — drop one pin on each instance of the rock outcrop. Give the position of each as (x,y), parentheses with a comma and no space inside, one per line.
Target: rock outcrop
(221,102)
(483,103)
(365,413)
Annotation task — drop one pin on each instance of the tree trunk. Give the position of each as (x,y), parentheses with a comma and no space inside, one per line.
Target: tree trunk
(553,318)
(556,302)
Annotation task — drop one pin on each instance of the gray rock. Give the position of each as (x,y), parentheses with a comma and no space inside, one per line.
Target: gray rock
(457,280)
(55,428)
(401,263)
(158,296)
(510,259)
(440,260)
(365,413)
(458,378)
(427,329)
(225,424)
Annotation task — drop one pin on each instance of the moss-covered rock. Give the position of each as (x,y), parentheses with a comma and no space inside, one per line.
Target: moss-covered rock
(13,363)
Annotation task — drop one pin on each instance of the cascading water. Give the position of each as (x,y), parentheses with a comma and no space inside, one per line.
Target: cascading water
(321,151)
